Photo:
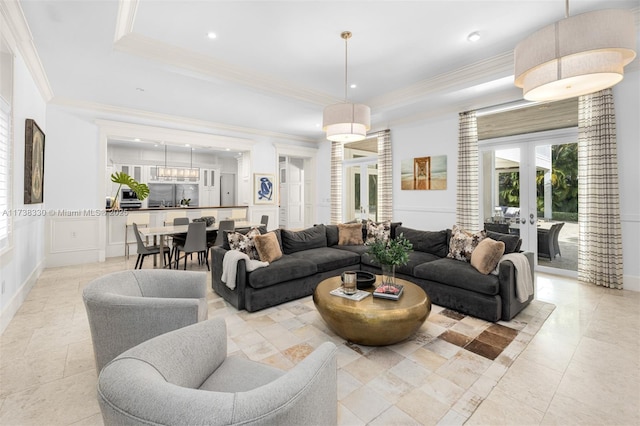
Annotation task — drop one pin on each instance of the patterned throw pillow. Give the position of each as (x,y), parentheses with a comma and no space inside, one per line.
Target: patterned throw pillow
(463,242)
(244,243)
(378,231)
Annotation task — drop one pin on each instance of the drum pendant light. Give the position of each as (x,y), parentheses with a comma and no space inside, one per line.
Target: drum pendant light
(346,122)
(575,56)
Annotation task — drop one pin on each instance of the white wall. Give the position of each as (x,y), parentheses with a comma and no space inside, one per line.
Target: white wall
(23,263)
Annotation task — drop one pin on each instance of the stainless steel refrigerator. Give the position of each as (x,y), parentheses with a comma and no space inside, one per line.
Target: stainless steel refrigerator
(170,194)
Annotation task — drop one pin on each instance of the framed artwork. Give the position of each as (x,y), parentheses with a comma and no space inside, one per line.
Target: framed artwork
(424,173)
(264,188)
(33,163)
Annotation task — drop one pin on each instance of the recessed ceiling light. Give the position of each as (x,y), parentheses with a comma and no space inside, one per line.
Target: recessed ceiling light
(353,86)
(228,149)
(137,139)
(211,35)
(186,144)
(473,37)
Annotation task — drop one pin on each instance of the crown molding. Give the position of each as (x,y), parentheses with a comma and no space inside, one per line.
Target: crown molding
(167,118)
(126,16)
(119,129)
(17,24)
(469,75)
(296,151)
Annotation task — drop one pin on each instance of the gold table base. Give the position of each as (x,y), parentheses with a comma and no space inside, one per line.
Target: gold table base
(373,321)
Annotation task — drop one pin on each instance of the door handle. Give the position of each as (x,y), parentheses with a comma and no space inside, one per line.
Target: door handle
(523,221)
(532,219)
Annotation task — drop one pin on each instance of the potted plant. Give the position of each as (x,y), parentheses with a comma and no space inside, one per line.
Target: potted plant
(390,253)
(141,189)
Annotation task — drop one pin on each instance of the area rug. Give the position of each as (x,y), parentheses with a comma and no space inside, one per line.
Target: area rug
(438,376)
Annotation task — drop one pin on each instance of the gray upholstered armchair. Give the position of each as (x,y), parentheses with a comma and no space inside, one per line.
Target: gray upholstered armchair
(185,378)
(126,308)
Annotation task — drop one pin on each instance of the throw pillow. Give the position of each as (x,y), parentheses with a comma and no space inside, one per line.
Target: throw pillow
(486,255)
(378,231)
(350,234)
(295,241)
(268,247)
(463,242)
(244,243)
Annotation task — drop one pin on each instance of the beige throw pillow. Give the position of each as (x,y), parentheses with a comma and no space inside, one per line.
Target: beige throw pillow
(350,234)
(268,247)
(486,255)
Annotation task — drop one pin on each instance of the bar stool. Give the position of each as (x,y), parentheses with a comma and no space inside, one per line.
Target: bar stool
(141,219)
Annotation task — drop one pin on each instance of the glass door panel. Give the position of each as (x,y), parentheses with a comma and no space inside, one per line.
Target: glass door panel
(360,191)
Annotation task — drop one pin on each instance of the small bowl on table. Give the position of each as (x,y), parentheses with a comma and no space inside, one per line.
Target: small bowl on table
(364,279)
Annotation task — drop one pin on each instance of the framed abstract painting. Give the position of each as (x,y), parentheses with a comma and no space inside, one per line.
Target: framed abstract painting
(33,163)
(264,188)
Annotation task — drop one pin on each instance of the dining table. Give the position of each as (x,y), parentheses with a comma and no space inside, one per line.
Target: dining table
(159,233)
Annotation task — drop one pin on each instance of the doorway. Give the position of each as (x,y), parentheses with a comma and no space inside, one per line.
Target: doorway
(528,185)
(360,199)
(227,189)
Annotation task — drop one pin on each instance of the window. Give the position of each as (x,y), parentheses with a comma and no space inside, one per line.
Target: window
(6,89)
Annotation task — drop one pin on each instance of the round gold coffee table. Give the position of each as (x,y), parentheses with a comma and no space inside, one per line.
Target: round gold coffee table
(373,321)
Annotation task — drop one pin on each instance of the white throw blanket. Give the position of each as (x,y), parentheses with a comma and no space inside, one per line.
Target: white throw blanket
(230,266)
(524,280)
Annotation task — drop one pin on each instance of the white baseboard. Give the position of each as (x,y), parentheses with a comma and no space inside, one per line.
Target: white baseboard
(19,297)
(631,282)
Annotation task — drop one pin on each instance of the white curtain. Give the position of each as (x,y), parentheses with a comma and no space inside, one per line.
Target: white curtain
(337,155)
(385,176)
(600,246)
(467,206)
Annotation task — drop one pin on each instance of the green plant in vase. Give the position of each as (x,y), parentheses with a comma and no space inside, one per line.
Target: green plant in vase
(141,189)
(389,254)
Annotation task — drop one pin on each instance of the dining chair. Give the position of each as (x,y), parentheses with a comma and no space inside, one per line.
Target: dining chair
(172,214)
(178,239)
(145,250)
(264,220)
(224,225)
(196,242)
(140,219)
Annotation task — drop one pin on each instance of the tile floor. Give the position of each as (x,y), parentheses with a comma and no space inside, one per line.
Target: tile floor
(582,366)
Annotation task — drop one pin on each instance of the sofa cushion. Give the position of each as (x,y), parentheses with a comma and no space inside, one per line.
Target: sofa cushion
(359,249)
(284,269)
(415,258)
(378,231)
(295,241)
(511,242)
(268,247)
(457,274)
(244,243)
(328,259)
(486,256)
(434,242)
(349,234)
(332,235)
(463,242)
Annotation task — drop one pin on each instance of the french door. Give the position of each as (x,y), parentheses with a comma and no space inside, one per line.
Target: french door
(527,184)
(360,192)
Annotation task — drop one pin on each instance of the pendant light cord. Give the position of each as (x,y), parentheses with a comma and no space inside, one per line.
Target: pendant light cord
(346,35)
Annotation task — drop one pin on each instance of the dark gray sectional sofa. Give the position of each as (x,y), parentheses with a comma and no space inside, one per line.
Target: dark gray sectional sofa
(312,255)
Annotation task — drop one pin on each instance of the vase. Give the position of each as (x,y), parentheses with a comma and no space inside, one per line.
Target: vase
(388,274)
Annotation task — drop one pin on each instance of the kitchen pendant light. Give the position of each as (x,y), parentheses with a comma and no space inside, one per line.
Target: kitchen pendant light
(178,172)
(575,56)
(346,122)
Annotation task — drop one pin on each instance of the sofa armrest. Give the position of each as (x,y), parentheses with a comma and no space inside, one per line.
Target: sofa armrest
(507,278)
(236,296)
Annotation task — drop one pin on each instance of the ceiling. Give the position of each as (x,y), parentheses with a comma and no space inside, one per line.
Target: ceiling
(274,65)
